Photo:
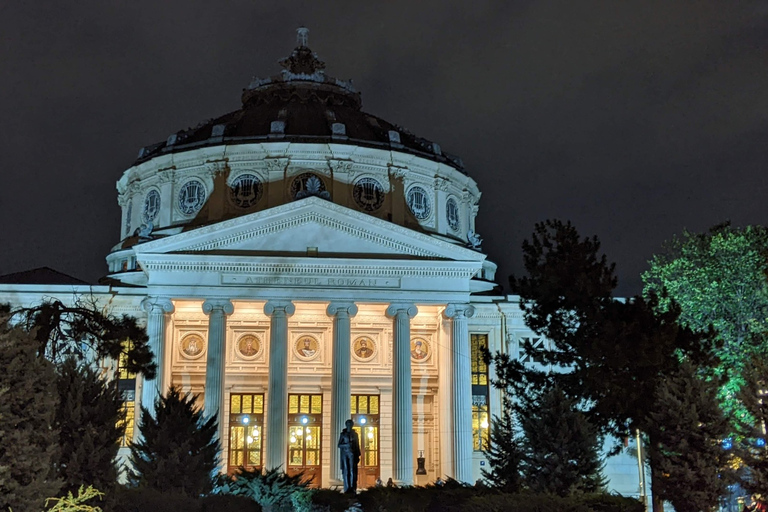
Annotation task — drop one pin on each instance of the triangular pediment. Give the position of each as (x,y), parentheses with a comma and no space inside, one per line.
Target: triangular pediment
(305,225)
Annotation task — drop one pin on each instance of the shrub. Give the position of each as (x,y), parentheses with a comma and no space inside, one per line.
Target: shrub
(229,503)
(150,500)
(273,489)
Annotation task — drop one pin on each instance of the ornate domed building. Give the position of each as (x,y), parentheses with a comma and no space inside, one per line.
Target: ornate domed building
(299,262)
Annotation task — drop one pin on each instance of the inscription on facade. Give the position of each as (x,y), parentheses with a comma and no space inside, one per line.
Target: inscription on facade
(319,282)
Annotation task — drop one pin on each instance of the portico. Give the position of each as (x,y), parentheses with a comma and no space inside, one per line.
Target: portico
(304,336)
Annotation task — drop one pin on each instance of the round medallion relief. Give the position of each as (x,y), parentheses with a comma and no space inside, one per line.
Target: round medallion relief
(420,350)
(452,214)
(364,348)
(308,184)
(191,197)
(192,346)
(419,202)
(368,194)
(248,346)
(246,190)
(151,206)
(306,347)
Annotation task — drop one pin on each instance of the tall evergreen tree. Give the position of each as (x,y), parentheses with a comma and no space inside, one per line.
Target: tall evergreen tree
(562,449)
(504,454)
(752,443)
(28,439)
(613,353)
(178,448)
(88,418)
(687,426)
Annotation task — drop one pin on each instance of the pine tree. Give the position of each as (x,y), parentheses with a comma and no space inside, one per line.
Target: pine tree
(504,454)
(686,426)
(87,417)
(752,446)
(178,448)
(562,449)
(28,440)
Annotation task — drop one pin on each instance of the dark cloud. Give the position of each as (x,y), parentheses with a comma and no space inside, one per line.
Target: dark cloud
(633,119)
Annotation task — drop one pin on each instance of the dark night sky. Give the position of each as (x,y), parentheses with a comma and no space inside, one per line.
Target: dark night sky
(634,119)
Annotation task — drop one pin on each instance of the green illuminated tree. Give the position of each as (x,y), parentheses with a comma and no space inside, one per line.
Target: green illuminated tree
(28,439)
(178,449)
(718,279)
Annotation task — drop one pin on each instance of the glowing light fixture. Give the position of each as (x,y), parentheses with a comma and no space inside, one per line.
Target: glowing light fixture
(362,420)
(249,439)
(293,439)
(304,420)
(370,435)
(484,424)
(245,420)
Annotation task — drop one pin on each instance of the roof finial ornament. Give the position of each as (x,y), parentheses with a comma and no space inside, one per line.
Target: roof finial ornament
(302,36)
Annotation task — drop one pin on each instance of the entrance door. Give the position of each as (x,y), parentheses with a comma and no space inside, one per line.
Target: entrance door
(365,413)
(246,417)
(305,419)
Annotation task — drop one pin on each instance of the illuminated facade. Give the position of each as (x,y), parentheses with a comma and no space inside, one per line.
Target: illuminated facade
(299,262)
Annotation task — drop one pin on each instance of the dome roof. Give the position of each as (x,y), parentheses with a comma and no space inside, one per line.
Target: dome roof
(302,104)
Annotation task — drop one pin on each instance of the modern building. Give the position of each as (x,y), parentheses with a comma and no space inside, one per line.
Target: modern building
(299,262)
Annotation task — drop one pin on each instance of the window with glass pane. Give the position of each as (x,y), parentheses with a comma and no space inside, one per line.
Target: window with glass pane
(129,410)
(480,390)
(478,345)
(246,431)
(304,431)
(479,427)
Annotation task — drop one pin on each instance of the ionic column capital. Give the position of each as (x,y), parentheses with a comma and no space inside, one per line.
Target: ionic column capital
(459,310)
(279,306)
(409,309)
(157,305)
(341,307)
(224,305)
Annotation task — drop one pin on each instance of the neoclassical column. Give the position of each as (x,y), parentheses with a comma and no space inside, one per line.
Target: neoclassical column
(157,308)
(217,311)
(461,392)
(340,381)
(277,410)
(402,406)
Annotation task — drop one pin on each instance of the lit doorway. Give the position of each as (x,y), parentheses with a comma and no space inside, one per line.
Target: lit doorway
(246,431)
(305,419)
(365,413)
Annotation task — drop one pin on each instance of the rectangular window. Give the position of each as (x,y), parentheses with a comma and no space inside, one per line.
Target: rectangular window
(480,391)
(246,431)
(129,409)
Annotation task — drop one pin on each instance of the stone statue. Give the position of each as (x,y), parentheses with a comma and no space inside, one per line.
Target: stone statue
(349,453)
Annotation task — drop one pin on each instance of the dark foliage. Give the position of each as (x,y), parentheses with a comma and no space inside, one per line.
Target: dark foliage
(752,447)
(272,487)
(28,439)
(463,498)
(616,351)
(88,419)
(124,499)
(562,449)
(687,426)
(178,448)
(504,454)
(86,332)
